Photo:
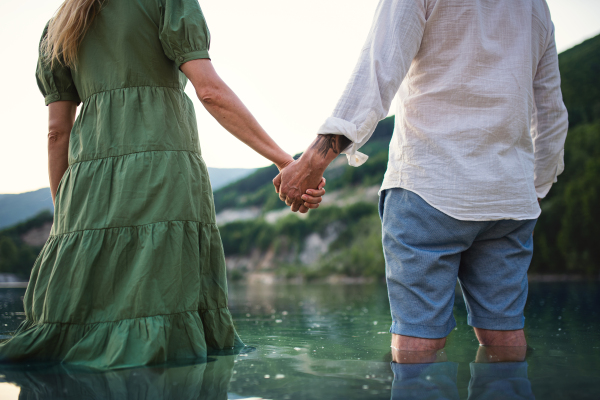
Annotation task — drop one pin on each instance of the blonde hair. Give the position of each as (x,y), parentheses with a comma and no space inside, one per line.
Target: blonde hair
(67,29)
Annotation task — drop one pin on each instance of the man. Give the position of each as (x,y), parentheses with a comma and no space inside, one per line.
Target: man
(479,137)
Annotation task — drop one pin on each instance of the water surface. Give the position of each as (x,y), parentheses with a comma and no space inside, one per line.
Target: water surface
(332,342)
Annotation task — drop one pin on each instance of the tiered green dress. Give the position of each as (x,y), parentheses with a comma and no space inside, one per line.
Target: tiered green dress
(133,272)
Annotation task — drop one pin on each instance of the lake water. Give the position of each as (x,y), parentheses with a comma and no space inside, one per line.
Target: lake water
(332,342)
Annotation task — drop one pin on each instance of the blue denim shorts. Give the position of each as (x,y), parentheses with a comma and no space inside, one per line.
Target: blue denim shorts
(426,251)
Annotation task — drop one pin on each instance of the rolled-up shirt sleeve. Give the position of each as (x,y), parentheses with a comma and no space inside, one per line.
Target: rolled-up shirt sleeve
(550,121)
(393,42)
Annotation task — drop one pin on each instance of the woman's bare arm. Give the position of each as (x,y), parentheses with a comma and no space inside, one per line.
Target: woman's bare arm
(224,105)
(61,116)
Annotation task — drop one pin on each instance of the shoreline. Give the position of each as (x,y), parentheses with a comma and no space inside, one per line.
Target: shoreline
(11,285)
(271,279)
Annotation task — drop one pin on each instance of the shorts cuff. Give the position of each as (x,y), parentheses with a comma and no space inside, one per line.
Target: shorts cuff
(423,331)
(497,324)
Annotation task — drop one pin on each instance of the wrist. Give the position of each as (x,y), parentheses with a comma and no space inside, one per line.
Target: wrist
(316,161)
(284,161)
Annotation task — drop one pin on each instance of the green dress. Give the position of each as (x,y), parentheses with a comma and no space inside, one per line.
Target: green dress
(133,272)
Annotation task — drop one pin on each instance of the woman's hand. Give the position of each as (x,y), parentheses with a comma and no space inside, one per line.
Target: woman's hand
(313,197)
(285,163)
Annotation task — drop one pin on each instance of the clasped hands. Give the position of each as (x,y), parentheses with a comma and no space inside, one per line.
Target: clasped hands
(300,185)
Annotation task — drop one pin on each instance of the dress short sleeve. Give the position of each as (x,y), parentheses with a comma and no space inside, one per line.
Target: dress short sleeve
(183,31)
(56,82)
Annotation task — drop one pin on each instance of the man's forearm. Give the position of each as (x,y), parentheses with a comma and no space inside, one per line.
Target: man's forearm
(324,149)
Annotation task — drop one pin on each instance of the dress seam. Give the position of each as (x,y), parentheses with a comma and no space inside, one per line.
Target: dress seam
(127,319)
(138,152)
(131,87)
(129,226)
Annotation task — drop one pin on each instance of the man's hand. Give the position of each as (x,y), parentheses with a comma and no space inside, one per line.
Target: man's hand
(294,181)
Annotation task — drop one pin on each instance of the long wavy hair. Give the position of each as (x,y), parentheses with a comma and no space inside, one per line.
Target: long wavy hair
(67,29)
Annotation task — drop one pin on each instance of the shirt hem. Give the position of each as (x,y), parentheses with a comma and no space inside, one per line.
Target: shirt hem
(479,218)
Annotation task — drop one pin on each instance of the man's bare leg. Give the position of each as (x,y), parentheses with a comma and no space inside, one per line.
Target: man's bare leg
(414,350)
(514,338)
(501,346)
(410,343)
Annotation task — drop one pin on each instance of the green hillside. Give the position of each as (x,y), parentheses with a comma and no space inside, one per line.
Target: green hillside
(580,74)
(16,256)
(566,237)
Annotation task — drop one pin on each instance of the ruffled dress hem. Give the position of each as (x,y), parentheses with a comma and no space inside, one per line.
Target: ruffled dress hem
(184,337)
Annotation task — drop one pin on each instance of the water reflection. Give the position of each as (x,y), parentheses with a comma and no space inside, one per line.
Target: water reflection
(209,380)
(503,380)
(434,381)
(489,381)
(332,342)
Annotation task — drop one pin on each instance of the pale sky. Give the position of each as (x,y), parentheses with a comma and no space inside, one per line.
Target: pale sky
(287,60)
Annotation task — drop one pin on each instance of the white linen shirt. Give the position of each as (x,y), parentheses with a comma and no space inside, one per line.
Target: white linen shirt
(480,122)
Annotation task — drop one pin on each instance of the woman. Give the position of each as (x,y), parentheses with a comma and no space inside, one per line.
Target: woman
(133,272)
